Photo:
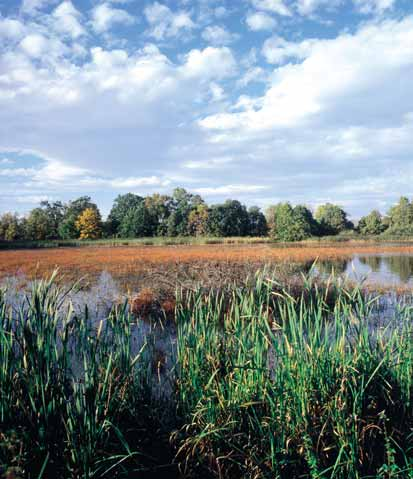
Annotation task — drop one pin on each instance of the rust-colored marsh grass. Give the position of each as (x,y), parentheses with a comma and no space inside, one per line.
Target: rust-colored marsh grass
(152,266)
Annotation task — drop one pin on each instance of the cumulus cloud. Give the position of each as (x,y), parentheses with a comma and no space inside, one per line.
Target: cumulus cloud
(68,20)
(333,75)
(209,163)
(277,50)
(13,172)
(373,6)
(32,7)
(123,183)
(252,75)
(217,35)
(220,11)
(317,118)
(308,7)
(11,29)
(165,23)
(140,95)
(260,21)
(6,161)
(275,6)
(35,45)
(230,189)
(212,62)
(104,17)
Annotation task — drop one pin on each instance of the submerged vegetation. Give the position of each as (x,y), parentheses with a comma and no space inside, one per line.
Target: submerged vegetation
(253,381)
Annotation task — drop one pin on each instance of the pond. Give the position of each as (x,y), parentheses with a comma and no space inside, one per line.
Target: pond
(381,269)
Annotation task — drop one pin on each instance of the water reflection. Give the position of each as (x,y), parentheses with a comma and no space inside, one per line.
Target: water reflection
(381,269)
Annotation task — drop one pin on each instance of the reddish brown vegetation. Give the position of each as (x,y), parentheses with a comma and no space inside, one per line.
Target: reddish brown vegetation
(165,267)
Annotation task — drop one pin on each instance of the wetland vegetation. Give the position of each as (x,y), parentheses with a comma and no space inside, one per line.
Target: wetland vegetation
(257,380)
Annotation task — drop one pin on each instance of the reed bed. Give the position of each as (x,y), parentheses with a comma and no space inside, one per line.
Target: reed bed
(306,391)
(73,393)
(264,384)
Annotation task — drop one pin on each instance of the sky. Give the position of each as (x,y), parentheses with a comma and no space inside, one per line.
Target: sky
(306,101)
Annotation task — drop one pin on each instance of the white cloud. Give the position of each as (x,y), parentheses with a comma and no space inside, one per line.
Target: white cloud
(253,75)
(109,119)
(54,176)
(32,199)
(258,21)
(212,62)
(11,29)
(123,183)
(68,107)
(343,73)
(220,12)
(104,16)
(217,35)
(164,23)
(373,6)
(210,163)
(31,7)
(230,189)
(275,6)
(217,92)
(67,20)
(13,172)
(308,7)
(34,45)
(277,50)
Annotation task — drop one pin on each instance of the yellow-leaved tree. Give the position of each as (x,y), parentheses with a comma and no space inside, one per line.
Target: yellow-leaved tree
(89,224)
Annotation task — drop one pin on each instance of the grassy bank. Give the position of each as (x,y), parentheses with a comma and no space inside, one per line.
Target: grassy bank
(264,385)
(113,242)
(202,240)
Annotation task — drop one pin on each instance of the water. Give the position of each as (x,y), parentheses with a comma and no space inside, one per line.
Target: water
(379,269)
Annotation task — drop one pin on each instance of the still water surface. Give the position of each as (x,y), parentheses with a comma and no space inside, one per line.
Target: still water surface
(383,269)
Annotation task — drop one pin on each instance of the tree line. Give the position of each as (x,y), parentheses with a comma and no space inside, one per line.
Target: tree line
(186,214)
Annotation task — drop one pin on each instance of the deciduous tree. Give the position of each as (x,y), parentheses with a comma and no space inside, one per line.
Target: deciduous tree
(229,219)
(10,227)
(72,211)
(89,224)
(138,223)
(332,219)
(290,224)
(121,206)
(372,224)
(198,221)
(400,218)
(257,222)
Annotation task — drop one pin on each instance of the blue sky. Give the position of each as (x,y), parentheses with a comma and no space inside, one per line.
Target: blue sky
(260,100)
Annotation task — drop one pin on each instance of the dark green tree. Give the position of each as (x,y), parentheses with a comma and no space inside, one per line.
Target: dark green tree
(305,216)
(291,224)
(160,207)
(229,219)
(11,227)
(182,205)
(257,222)
(332,219)
(121,206)
(138,223)
(38,225)
(72,211)
(372,224)
(400,218)
(54,212)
